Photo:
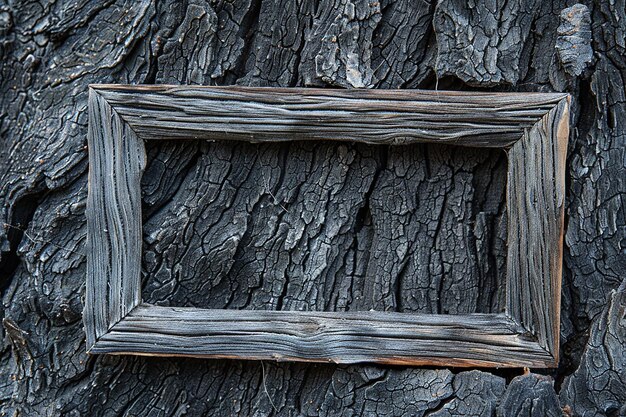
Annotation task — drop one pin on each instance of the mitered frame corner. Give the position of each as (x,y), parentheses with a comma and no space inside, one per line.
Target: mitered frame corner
(532,128)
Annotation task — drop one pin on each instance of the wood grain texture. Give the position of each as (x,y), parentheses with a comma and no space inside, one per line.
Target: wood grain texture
(532,127)
(347,337)
(287,114)
(116,161)
(535,204)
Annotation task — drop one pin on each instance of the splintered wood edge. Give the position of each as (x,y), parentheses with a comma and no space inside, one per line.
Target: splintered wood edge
(528,126)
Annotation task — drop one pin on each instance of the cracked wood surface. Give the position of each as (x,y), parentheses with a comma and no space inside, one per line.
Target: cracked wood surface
(51,51)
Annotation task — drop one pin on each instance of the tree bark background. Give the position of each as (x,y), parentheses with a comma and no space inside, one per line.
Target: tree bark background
(305,225)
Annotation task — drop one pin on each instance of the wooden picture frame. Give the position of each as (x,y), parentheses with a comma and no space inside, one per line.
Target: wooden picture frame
(531,127)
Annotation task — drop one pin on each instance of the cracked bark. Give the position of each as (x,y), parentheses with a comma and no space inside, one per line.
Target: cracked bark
(305,225)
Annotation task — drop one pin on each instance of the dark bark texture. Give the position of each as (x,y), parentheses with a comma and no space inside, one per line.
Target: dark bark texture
(306,226)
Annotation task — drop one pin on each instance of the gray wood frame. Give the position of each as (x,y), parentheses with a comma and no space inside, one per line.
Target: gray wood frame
(531,127)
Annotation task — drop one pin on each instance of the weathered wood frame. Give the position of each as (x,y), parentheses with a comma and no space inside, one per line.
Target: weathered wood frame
(531,127)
